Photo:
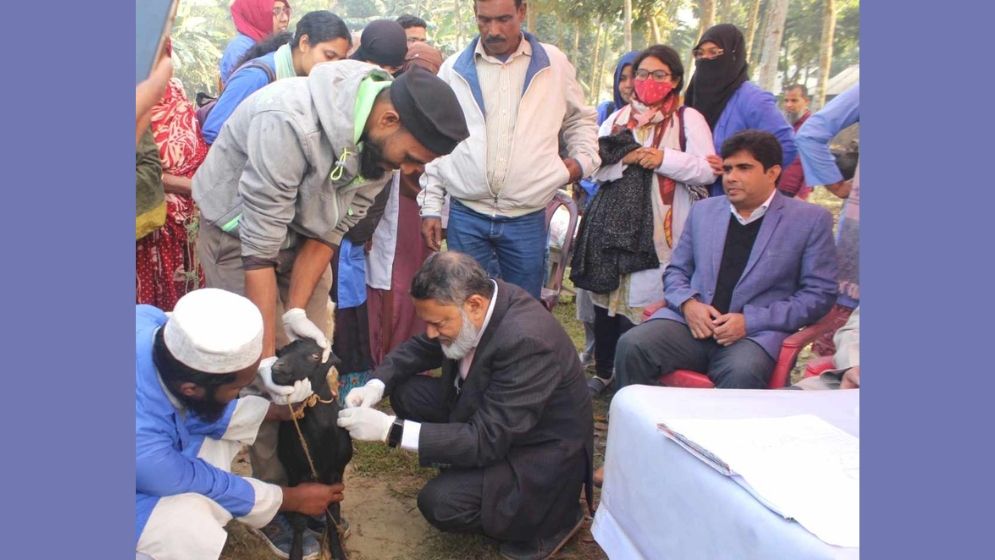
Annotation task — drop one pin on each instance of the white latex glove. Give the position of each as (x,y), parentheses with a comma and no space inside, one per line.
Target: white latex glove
(282,394)
(297,325)
(365,424)
(365,396)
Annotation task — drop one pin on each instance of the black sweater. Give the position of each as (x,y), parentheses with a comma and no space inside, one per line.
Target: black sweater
(735,254)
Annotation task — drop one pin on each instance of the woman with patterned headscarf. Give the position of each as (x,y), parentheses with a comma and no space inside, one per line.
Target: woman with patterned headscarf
(721,90)
(165,260)
(669,146)
(254,20)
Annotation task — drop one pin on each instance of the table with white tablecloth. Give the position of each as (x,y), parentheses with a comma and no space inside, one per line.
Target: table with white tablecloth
(660,501)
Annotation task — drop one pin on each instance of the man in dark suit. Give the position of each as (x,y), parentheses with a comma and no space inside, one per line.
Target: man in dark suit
(509,422)
(751,268)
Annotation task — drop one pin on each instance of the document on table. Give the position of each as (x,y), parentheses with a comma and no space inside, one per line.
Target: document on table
(801,467)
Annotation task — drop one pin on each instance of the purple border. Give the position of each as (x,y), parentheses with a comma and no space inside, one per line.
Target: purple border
(70,269)
(927,322)
(68,282)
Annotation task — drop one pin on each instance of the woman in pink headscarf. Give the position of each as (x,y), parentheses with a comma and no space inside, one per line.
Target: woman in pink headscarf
(254,20)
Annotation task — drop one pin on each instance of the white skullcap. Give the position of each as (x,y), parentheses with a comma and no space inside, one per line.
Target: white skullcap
(215,331)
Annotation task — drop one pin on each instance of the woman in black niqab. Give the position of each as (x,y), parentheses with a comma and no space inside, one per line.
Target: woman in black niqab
(715,80)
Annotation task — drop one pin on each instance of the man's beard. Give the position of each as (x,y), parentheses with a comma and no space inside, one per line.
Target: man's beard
(206,408)
(792,117)
(370,160)
(465,340)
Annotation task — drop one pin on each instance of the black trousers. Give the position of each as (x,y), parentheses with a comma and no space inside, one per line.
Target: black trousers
(662,345)
(452,500)
(607,331)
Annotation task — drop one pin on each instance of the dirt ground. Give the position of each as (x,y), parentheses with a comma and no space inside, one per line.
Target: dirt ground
(381,490)
(386,525)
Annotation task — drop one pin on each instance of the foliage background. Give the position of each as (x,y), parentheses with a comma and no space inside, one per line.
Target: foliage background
(590,32)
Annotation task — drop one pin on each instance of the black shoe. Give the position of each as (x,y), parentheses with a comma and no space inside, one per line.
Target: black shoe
(597,385)
(542,548)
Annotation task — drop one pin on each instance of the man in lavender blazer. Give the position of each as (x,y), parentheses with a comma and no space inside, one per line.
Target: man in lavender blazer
(751,268)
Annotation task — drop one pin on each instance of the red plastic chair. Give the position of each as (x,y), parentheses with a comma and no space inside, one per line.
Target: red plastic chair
(786,360)
(550,294)
(818,365)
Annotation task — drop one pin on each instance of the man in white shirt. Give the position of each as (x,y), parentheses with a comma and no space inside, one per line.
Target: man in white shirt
(509,421)
(520,97)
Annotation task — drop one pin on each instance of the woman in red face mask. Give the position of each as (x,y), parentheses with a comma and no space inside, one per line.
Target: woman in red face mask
(676,142)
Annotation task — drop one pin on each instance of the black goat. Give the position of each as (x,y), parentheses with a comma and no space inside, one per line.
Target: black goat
(330,447)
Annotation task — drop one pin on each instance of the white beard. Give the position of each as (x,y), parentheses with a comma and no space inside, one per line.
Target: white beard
(465,340)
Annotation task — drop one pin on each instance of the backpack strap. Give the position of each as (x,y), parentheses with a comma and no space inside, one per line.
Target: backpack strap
(255,63)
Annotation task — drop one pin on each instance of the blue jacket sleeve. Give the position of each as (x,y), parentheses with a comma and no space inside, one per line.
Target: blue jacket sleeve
(814,137)
(764,115)
(161,470)
(241,85)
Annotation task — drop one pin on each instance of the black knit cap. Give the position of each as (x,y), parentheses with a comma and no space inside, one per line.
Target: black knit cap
(383,42)
(429,110)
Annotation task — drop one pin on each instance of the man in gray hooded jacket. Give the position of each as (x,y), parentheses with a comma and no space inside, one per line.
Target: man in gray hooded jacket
(294,167)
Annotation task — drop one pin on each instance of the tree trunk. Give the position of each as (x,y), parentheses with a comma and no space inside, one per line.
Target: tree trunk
(459,24)
(655,29)
(751,27)
(596,92)
(825,52)
(531,13)
(771,46)
(627,13)
(796,76)
(707,16)
(576,45)
(592,85)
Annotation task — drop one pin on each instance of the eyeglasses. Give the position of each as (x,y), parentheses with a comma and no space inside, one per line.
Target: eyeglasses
(278,11)
(658,75)
(708,54)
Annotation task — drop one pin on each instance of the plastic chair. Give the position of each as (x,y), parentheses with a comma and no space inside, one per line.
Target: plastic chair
(550,294)
(786,360)
(818,365)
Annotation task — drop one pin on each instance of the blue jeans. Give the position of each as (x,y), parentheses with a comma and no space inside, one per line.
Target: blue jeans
(512,249)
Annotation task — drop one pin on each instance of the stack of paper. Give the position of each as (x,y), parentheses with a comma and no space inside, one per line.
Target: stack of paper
(801,467)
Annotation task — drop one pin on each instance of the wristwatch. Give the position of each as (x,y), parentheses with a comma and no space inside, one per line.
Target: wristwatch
(394,435)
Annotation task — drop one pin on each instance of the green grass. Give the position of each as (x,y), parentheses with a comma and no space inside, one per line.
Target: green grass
(374,459)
